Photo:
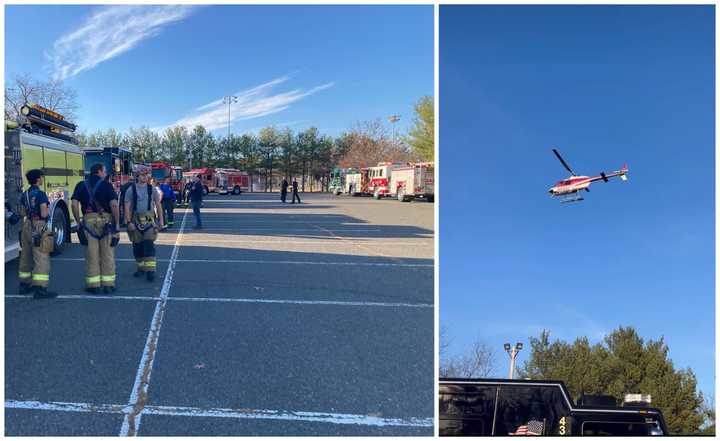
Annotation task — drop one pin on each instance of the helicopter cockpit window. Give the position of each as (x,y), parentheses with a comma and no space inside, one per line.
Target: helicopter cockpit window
(532,409)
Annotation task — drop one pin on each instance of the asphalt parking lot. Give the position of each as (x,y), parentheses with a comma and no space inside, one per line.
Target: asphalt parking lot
(275,319)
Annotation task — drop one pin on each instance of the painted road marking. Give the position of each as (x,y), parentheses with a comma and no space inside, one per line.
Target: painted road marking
(264,414)
(138,395)
(250,261)
(237,300)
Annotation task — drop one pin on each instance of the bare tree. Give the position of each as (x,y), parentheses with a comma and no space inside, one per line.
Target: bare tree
(368,143)
(51,94)
(479,361)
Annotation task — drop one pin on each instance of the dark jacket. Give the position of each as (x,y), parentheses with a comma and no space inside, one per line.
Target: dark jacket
(285,186)
(196,194)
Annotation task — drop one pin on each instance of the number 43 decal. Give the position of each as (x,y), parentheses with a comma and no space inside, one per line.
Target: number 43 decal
(563,429)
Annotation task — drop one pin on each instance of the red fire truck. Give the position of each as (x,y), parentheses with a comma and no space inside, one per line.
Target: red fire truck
(208,178)
(413,181)
(230,180)
(379,178)
(173,173)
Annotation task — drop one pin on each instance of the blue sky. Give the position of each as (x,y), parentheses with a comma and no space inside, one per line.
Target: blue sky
(296,66)
(604,85)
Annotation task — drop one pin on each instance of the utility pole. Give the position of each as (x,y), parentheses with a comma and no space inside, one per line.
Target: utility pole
(229,99)
(393,119)
(512,352)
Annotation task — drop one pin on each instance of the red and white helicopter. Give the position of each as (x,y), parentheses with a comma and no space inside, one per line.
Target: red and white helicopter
(570,188)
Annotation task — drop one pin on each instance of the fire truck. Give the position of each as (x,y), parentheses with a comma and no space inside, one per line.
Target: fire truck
(338,178)
(487,407)
(356,183)
(230,180)
(173,173)
(413,181)
(118,163)
(44,141)
(379,178)
(208,178)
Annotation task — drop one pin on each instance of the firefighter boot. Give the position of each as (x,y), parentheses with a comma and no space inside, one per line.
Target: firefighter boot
(109,289)
(42,293)
(25,288)
(151,276)
(94,290)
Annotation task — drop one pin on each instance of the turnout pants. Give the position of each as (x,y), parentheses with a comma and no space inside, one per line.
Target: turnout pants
(295,195)
(143,239)
(34,268)
(99,255)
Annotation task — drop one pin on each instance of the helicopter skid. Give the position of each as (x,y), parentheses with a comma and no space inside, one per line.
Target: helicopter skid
(572,199)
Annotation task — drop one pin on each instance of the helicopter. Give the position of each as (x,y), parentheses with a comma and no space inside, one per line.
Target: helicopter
(569,189)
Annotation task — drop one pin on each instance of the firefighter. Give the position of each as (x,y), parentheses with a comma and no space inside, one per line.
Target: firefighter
(142,205)
(283,190)
(295,191)
(98,229)
(36,241)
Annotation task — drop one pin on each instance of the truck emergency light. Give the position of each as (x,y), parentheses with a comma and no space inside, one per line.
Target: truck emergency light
(645,399)
(45,117)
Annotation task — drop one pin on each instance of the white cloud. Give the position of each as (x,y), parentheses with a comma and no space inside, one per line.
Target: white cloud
(108,33)
(251,103)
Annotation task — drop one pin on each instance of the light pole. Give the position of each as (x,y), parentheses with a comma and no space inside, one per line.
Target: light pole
(393,119)
(229,99)
(512,352)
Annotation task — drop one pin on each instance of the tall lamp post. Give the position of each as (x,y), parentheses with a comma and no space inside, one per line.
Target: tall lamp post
(512,352)
(229,99)
(393,119)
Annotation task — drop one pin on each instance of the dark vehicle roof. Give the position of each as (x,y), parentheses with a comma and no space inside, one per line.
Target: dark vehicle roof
(563,389)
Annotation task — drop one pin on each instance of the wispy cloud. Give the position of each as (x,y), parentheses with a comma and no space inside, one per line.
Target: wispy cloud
(251,103)
(108,33)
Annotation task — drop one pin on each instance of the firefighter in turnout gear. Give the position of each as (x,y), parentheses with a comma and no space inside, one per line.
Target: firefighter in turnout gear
(36,241)
(144,213)
(98,228)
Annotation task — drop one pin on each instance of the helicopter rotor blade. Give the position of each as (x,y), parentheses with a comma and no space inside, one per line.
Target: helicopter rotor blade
(563,162)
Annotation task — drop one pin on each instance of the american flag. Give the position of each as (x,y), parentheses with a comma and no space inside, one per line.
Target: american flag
(533,427)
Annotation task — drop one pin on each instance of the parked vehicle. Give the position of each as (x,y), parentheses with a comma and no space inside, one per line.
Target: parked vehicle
(44,142)
(338,179)
(356,183)
(413,181)
(379,178)
(173,173)
(208,178)
(485,407)
(230,180)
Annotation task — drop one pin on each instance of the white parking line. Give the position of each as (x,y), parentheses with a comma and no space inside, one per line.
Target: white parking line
(263,414)
(287,230)
(138,395)
(289,415)
(279,262)
(237,300)
(320,242)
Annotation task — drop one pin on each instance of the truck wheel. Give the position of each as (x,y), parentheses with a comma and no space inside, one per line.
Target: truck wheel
(236,190)
(377,194)
(431,198)
(401,194)
(337,192)
(60,228)
(205,191)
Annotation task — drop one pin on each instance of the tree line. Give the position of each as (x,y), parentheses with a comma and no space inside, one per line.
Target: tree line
(272,152)
(623,362)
